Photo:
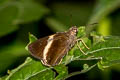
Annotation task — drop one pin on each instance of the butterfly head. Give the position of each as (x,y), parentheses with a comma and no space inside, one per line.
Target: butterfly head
(73,30)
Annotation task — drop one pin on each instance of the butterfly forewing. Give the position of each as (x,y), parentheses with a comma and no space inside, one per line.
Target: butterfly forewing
(58,49)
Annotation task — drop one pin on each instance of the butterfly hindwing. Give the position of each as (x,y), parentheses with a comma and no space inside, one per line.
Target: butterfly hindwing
(36,48)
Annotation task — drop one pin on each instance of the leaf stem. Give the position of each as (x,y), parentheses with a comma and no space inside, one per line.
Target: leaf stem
(79,72)
(89,58)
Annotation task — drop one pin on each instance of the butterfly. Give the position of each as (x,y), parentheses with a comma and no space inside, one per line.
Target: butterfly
(51,49)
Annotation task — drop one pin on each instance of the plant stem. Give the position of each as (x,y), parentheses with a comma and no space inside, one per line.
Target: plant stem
(79,72)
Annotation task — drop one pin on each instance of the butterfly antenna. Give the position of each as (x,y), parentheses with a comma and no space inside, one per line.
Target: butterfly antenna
(71,19)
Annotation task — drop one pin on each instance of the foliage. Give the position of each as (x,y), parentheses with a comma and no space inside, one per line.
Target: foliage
(106,51)
(19,17)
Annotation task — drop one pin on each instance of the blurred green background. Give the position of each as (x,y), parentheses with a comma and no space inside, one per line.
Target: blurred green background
(45,17)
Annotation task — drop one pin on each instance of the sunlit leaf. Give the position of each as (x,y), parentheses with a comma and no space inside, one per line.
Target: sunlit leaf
(32,38)
(62,71)
(30,69)
(102,9)
(107,51)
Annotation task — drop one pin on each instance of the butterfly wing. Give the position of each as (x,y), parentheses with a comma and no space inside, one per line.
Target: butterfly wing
(58,49)
(51,49)
(36,48)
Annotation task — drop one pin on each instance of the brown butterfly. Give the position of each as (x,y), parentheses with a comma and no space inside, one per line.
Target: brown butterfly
(51,49)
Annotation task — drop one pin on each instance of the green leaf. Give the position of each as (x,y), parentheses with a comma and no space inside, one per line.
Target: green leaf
(44,75)
(6,29)
(80,72)
(16,12)
(8,12)
(30,11)
(81,31)
(32,38)
(11,54)
(31,69)
(102,9)
(3,78)
(62,71)
(4,1)
(104,26)
(107,50)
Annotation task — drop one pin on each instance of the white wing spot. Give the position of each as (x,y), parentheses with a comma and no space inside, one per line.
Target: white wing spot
(47,47)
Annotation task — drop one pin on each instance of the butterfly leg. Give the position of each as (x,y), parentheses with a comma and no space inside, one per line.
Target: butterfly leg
(81,49)
(83,44)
